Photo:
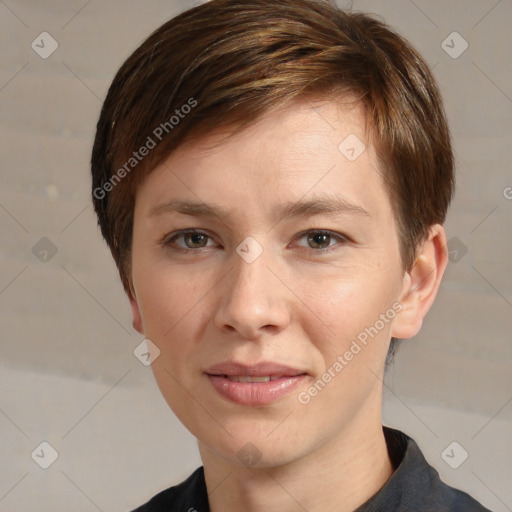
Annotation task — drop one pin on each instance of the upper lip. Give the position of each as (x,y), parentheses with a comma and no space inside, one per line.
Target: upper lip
(255,370)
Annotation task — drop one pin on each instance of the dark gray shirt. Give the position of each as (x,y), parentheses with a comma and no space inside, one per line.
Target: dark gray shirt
(414,486)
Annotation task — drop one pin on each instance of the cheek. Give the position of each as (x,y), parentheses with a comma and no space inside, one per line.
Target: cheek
(175,308)
(167,296)
(348,308)
(171,311)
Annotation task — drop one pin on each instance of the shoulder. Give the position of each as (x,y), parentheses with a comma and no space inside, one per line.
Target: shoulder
(446,498)
(416,485)
(188,496)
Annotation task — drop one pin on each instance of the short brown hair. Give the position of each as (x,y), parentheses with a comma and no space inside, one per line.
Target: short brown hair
(231,61)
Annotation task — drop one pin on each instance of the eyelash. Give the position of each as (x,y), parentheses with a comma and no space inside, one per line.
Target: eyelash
(342,240)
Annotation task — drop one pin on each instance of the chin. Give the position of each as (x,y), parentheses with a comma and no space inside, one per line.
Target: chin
(251,447)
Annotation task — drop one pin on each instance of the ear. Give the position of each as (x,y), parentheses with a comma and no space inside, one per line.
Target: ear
(421,284)
(136,316)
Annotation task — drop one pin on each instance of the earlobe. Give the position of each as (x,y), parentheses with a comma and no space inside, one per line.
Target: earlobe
(136,316)
(421,284)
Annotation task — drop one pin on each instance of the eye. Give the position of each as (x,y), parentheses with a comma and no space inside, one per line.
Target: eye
(192,239)
(321,240)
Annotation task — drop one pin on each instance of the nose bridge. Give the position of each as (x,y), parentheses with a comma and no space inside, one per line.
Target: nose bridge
(252,297)
(250,276)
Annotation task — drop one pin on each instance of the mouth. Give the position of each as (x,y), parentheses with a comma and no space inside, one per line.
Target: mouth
(245,378)
(259,384)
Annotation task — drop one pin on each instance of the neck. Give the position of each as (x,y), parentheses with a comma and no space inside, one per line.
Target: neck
(339,476)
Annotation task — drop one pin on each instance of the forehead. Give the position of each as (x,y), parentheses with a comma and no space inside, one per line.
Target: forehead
(296,130)
(304,148)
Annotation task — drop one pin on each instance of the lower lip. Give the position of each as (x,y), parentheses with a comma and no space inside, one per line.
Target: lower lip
(254,393)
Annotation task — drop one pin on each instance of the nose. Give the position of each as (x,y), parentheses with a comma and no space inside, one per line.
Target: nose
(253,301)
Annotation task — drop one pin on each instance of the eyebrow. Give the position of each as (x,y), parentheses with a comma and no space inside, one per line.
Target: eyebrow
(319,206)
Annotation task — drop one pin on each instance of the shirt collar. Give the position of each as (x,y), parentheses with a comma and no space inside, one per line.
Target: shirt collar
(411,480)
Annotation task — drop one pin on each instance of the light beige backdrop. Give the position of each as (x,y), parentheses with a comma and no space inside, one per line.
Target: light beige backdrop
(68,375)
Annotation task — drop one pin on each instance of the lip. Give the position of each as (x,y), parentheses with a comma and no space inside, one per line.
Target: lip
(285,380)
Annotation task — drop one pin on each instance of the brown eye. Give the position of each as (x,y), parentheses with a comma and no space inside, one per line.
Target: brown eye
(319,240)
(187,240)
(195,240)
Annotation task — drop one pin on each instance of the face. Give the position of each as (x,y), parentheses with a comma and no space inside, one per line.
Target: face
(269,256)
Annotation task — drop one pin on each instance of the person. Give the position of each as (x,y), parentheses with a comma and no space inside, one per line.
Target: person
(272,179)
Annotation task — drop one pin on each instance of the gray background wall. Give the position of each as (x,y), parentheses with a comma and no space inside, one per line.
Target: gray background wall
(68,375)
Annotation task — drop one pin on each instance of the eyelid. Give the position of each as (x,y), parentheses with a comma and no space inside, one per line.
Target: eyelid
(323,231)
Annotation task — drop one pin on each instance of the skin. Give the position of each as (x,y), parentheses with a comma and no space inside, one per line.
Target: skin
(293,305)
